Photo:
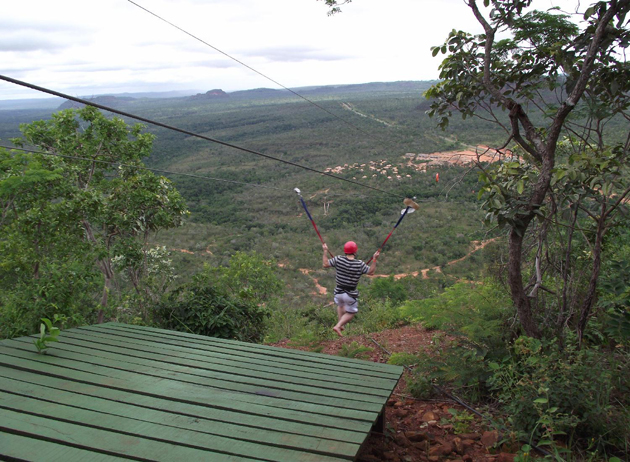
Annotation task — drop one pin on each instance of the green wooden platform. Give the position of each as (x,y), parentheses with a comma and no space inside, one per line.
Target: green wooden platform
(114,391)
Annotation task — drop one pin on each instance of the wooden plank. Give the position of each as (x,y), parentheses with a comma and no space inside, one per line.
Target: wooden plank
(139,427)
(117,444)
(269,350)
(190,393)
(149,394)
(212,427)
(315,361)
(251,393)
(224,362)
(255,422)
(129,363)
(312,357)
(24,448)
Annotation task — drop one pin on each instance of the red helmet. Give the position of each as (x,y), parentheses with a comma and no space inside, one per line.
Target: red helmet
(350,247)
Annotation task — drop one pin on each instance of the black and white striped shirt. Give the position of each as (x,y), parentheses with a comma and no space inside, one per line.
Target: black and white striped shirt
(348,274)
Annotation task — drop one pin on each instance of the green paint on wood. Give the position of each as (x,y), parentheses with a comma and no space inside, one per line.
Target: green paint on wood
(114,390)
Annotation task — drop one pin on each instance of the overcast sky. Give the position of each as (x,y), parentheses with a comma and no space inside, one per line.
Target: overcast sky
(85,48)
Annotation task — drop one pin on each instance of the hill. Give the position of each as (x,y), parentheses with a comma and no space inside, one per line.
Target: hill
(363,129)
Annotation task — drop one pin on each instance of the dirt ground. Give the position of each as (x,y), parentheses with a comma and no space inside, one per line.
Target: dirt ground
(417,430)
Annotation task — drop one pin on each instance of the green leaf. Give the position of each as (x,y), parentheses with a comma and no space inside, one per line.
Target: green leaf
(589,12)
(541,401)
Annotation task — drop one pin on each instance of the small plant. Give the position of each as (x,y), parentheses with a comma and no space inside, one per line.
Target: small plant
(461,421)
(419,386)
(47,333)
(354,350)
(403,359)
(307,339)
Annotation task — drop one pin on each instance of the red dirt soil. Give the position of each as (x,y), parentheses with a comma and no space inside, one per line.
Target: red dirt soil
(417,430)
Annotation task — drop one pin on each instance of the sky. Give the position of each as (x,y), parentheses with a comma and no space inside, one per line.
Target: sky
(86,48)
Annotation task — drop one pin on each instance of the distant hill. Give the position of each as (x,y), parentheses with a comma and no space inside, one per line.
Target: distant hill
(115,100)
(111,101)
(211,94)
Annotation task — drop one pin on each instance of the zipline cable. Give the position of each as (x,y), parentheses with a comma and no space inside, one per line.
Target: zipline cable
(248,67)
(186,132)
(46,153)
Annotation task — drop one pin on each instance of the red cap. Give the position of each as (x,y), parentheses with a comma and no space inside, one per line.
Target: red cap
(350,247)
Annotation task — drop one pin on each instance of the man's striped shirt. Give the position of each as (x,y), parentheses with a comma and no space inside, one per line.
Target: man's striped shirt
(348,274)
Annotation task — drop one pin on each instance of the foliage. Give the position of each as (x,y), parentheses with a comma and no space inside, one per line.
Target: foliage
(586,200)
(308,339)
(477,310)
(554,394)
(388,289)
(48,333)
(403,359)
(461,421)
(249,276)
(614,291)
(65,289)
(475,316)
(354,350)
(200,308)
(375,315)
(550,77)
(420,386)
(71,203)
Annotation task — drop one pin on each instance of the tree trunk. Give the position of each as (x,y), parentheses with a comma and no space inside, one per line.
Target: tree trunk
(106,268)
(515,281)
(589,300)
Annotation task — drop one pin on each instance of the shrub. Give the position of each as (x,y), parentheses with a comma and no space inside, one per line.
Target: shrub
(403,359)
(376,315)
(474,316)
(419,385)
(202,309)
(65,291)
(567,393)
(354,350)
(388,289)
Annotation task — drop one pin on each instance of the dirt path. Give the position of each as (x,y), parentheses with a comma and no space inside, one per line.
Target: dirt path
(321,290)
(350,107)
(476,246)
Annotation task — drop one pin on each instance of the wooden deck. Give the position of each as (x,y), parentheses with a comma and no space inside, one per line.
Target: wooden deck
(115,391)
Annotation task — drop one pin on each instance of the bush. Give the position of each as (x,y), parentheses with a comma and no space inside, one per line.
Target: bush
(388,289)
(202,309)
(474,315)
(569,394)
(376,315)
(65,291)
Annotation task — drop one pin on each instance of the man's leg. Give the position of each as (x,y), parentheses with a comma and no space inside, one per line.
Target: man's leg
(340,311)
(346,309)
(345,319)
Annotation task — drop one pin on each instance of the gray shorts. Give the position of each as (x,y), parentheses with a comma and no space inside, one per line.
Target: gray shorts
(346,302)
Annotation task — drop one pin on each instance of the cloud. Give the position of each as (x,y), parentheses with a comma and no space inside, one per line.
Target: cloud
(295,54)
(26,42)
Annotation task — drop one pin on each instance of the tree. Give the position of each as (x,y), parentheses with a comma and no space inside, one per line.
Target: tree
(75,194)
(550,79)
(335,5)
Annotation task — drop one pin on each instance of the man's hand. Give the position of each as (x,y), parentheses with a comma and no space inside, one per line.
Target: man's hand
(376,255)
(325,263)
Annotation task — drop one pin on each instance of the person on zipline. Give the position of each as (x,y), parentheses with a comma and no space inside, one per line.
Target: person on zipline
(348,272)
